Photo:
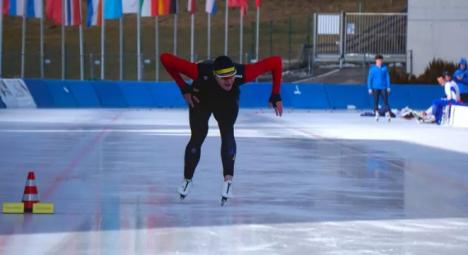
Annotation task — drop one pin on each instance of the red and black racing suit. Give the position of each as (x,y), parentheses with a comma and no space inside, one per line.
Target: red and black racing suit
(213,99)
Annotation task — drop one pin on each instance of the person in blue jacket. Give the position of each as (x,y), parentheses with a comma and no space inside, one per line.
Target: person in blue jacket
(378,84)
(460,76)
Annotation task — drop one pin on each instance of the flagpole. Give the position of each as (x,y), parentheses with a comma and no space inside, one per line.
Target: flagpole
(257,34)
(41,43)
(139,43)
(103,43)
(208,47)
(62,55)
(175,29)
(121,42)
(23,40)
(81,44)
(226,17)
(156,41)
(241,36)
(192,38)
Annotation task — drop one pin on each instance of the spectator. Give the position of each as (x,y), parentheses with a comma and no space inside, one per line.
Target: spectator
(460,76)
(452,97)
(378,84)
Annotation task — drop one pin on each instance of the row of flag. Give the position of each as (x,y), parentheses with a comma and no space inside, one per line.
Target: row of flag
(113,9)
(18,8)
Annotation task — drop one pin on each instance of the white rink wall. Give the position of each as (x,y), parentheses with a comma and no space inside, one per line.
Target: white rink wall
(437,29)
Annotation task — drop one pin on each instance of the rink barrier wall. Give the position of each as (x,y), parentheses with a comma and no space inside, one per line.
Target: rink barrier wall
(128,94)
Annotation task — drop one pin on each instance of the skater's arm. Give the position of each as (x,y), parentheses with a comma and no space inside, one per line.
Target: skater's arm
(271,64)
(176,66)
(465,77)
(448,91)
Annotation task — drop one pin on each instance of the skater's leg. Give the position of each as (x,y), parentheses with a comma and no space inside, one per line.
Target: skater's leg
(385,95)
(385,99)
(376,93)
(228,150)
(226,116)
(438,109)
(226,120)
(199,128)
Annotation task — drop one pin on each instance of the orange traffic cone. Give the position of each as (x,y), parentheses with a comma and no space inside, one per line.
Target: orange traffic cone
(30,195)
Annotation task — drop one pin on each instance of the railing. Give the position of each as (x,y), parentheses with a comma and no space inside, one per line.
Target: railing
(356,37)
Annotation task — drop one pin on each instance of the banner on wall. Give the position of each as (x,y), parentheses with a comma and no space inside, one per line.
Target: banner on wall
(15,94)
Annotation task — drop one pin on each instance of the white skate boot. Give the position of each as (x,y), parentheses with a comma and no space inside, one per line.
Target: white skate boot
(184,188)
(388,116)
(377,115)
(226,192)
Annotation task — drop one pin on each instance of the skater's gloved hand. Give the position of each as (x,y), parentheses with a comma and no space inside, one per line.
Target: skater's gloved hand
(191,98)
(370,91)
(275,102)
(388,90)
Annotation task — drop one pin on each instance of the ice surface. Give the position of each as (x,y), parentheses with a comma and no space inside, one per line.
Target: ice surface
(311,182)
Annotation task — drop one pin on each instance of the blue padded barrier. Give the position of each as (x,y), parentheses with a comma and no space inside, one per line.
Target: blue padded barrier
(421,97)
(307,96)
(137,94)
(40,92)
(166,94)
(53,93)
(84,94)
(342,96)
(255,95)
(61,94)
(109,94)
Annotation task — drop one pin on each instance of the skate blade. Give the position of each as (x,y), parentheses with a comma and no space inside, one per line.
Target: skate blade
(182,197)
(223,201)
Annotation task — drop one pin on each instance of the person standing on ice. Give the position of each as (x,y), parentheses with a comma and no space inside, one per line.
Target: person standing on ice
(378,84)
(215,90)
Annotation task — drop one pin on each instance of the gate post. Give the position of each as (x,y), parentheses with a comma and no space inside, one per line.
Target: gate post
(342,38)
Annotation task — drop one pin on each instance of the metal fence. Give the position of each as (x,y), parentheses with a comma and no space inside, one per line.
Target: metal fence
(356,37)
(284,36)
(299,40)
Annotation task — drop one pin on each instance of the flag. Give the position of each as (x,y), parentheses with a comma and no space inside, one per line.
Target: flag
(210,7)
(17,8)
(149,8)
(113,9)
(72,12)
(94,13)
(242,4)
(173,8)
(191,7)
(155,8)
(6,6)
(53,11)
(257,3)
(163,7)
(129,6)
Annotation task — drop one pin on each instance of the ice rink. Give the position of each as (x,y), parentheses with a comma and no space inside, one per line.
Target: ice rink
(310,182)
